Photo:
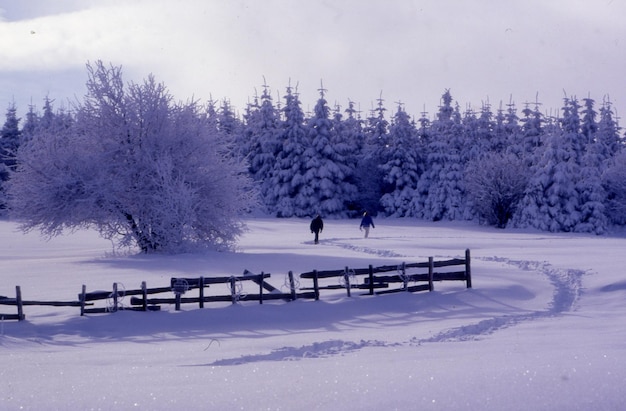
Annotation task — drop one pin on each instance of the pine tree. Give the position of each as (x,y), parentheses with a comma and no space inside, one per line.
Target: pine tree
(510,131)
(441,187)
(532,133)
(10,137)
(349,142)
(370,183)
(30,124)
(608,131)
(326,189)
(551,201)
(565,192)
(288,180)
(263,144)
(402,169)
(593,162)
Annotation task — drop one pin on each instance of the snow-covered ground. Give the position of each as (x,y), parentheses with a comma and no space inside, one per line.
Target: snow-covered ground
(543,328)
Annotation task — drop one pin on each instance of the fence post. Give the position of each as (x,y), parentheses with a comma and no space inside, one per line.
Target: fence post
(292,285)
(468,269)
(18,300)
(261,287)
(114,297)
(371,278)
(405,279)
(233,289)
(316,287)
(431,268)
(201,292)
(178,294)
(346,277)
(83,297)
(144,294)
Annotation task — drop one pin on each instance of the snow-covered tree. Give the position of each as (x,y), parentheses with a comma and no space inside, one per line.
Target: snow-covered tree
(614,184)
(327,187)
(10,136)
(532,133)
(508,130)
(565,192)
(143,170)
(403,167)
(369,178)
(441,186)
(349,142)
(608,131)
(496,183)
(287,179)
(262,144)
(551,201)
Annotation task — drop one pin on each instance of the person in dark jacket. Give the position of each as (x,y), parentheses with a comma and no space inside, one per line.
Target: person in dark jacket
(366,222)
(317,225)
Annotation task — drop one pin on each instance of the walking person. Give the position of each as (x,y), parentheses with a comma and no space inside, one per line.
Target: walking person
(317,225)
(366,222)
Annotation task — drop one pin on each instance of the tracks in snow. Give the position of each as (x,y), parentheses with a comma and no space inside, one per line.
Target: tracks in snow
(567,285)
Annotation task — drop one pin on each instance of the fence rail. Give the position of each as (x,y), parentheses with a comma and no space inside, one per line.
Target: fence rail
(349,278)
(376,280)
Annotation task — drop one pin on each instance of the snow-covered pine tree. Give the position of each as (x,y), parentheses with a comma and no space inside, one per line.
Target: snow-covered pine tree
(532,133)
(370,183)
(349,141)
(511,132)
(443,181)
(484,137)
(263,144)
(10,137)
(473,145)
(610,145)
(287,177)
(562,194)
(246,142)
(551,200)
(608,132)
(326,187)
(614,184)
(593,162)
(403,167)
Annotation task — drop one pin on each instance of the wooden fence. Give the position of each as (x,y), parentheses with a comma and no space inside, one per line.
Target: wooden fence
(376,280)
(424,273)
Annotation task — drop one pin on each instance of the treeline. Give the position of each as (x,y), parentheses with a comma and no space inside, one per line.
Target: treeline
(504,166)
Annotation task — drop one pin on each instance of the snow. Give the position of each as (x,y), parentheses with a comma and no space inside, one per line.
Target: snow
(542,328)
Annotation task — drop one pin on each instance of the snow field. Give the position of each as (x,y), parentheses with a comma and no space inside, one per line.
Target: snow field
(541,329)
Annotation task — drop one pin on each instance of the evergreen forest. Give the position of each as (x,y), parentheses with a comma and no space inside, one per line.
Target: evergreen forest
(505,166)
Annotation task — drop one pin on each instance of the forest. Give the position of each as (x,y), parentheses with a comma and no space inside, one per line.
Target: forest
(505,166)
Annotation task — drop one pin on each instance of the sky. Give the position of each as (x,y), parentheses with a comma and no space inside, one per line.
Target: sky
(407,51)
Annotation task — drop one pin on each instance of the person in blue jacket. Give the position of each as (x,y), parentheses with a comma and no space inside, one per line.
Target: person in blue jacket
(317,225)
(366,222)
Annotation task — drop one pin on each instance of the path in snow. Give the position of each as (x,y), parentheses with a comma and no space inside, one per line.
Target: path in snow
(567,285)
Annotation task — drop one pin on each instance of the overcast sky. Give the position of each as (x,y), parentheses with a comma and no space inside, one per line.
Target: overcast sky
(409,50)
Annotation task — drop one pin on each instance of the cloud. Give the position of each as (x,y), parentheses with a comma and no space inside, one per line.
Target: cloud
(410,50)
